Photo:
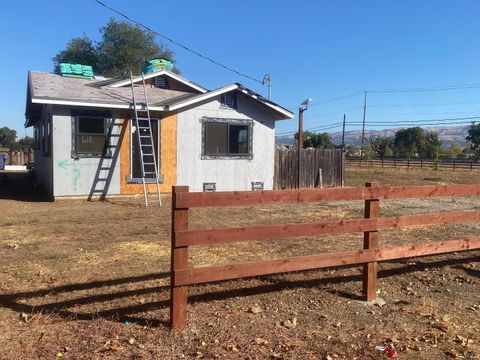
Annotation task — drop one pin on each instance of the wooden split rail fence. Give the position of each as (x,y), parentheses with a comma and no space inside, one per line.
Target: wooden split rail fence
(442,164)
(183,275)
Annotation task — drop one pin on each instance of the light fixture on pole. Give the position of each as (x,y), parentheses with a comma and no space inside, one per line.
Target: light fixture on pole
(301,109)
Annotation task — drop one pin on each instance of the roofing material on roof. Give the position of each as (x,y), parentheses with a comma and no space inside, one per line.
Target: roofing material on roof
(48,88)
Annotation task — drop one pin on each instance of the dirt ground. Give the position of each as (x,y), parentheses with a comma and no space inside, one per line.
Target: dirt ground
(89,280)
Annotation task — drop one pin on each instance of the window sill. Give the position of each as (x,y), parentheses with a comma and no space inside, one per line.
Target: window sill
(227,157)
(131,180)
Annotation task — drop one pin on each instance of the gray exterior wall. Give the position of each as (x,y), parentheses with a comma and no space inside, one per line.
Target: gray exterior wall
(228,174)
(77,177)
(43,161)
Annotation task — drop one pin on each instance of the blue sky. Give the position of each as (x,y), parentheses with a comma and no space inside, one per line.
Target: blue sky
(318,49)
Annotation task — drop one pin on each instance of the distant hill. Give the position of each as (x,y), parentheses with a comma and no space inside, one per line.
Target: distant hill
(447,134)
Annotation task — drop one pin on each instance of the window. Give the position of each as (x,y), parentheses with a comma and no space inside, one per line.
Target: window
(90,135)
(227,138)
(46,135)
(229,100)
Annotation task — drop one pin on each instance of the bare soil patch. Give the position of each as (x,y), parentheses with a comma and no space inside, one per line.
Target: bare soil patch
(89,280)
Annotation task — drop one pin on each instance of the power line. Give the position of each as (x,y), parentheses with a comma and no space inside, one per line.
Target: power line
(426,89)
(177,43)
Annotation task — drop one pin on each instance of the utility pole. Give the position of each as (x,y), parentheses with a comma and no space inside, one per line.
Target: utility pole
(363,126)
(343,134)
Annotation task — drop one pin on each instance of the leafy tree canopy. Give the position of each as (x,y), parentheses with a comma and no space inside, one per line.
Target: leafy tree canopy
(8,138)
(27,141)
(473,138)
(316,140)
(380,145)
(123,47)
(412,142)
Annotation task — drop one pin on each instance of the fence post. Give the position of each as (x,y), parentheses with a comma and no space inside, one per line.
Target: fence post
(453,165)
(370,241)
(179,260)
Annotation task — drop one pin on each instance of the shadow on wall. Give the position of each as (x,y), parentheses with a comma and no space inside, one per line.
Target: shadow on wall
(21,186)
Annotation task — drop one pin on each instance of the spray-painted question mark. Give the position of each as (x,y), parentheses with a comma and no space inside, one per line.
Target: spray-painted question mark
(76,175)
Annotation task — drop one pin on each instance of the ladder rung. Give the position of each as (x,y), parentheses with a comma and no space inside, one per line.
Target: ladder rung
(147,145)
(145,136)
(148,163)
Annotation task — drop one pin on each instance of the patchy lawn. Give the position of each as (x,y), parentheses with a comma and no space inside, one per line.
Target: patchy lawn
(89,280)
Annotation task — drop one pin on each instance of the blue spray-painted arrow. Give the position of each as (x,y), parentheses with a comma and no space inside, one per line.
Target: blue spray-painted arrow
(63,164)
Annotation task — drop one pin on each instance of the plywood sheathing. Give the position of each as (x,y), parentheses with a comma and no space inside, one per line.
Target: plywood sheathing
(168,158)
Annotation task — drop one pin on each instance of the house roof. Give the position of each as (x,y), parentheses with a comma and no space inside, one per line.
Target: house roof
(49,88)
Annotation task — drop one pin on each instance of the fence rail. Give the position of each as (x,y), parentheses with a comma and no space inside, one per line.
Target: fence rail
(182,275)
(320,168)
(441,164)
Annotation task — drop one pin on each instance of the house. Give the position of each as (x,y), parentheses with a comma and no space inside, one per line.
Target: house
(220,139)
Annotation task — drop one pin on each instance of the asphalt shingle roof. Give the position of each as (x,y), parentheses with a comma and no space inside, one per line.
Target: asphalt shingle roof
(55,87)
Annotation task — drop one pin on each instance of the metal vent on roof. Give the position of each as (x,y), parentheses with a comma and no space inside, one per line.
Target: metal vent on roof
(160,82)
(229,100)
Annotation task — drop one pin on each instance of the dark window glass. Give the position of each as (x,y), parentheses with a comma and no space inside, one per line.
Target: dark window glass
(216,138)
(90,137)
(223,138)
(91,125)
(238,137)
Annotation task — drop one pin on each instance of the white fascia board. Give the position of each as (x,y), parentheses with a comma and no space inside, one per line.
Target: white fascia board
(203,97)
(90,104)
(159,73)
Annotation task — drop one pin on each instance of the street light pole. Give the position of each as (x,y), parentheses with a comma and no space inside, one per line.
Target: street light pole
(300,142)
(301,109)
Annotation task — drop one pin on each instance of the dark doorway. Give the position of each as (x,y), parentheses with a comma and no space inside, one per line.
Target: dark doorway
(136,168)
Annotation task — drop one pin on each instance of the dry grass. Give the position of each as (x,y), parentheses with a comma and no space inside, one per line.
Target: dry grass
(79,270)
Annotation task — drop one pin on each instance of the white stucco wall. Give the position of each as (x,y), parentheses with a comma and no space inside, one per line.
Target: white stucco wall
(228,174)
(76,177)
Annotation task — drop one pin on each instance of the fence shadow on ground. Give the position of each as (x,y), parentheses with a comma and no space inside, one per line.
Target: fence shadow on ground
(21,186)
(22,302)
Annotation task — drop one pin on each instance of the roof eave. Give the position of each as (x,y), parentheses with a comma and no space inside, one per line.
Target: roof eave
(91,104)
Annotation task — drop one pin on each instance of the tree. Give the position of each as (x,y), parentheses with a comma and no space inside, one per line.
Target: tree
(432,145)
(316,140)
(8,138)
(380,145)
(454,150)
(123,47)
(410,142)
(27,142)
(473,138)
(80,50)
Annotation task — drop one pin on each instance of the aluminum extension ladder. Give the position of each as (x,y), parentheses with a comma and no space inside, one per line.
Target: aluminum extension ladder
(146,146)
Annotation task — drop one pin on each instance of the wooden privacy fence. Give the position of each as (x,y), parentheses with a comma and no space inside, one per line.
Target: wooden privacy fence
(323,168)
(182,275)
(17,157)
(442,164)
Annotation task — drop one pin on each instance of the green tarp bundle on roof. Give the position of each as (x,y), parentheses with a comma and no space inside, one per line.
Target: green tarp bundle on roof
(76,70)
(157,65)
